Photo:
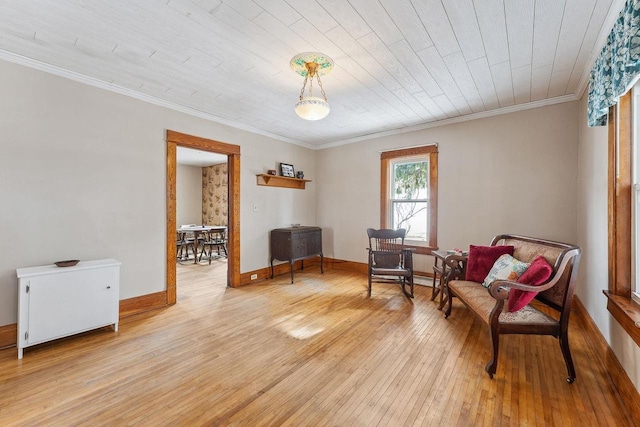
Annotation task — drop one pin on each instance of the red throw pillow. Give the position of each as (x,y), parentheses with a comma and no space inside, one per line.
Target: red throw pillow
(482,258)
(538,272)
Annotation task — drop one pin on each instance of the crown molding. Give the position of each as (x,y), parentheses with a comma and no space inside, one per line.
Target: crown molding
(100,84)
(459,119)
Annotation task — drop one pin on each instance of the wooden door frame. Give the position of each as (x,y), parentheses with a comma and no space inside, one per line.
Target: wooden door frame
(177,139)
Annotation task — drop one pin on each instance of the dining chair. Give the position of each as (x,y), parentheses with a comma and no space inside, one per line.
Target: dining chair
(213,239)
(182,246)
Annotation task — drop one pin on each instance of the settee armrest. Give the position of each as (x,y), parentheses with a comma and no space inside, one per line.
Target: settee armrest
(499,289)
(457,265)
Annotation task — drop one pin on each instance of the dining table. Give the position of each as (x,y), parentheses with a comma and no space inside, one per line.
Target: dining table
(199,229)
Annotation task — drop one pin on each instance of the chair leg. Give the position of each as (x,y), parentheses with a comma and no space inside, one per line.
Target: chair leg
(566,353)
(436,290)
(204,252)
(405,282)
(443,299)
(449,301)
(493,363)
(369,291)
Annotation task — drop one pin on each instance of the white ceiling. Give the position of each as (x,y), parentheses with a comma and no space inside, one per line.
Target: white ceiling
(399,64)
(190,157)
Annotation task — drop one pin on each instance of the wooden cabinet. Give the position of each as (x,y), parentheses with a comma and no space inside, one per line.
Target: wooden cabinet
(55,302)
(296,243)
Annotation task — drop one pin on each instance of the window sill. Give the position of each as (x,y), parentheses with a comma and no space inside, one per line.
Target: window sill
(626,312)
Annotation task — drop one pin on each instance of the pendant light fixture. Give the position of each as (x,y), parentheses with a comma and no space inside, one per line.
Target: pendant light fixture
(310,65)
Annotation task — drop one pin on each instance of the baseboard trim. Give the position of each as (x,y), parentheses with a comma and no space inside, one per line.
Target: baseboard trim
(360,267)
(283,268)
(8,335)
(278,269)
(341,264)
(629,395)
(142,303)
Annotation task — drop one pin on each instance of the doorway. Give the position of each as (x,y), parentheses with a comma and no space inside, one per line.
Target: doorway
(174,140)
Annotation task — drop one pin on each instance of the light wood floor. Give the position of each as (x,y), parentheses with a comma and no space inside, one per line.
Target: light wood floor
(317,352)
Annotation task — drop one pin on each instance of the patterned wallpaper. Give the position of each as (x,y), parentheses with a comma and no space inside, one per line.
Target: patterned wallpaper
(214,195)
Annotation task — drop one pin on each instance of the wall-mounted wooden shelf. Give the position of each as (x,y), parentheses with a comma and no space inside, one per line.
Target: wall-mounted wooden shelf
(281,181)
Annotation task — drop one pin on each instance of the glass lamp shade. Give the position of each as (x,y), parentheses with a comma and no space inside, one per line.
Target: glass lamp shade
(312,108)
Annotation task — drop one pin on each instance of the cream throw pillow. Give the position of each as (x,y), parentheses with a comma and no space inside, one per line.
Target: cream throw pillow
(505,268)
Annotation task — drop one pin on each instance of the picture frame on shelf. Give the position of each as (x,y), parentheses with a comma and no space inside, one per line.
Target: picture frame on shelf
(287,170)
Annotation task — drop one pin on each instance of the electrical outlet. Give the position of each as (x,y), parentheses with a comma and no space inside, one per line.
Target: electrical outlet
(254,276)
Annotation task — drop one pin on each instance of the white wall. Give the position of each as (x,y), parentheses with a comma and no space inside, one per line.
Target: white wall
(82,175)
(514,173)
(592,238)
(188,194)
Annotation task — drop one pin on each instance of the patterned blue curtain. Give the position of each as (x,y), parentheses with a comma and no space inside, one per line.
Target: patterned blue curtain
(617,65)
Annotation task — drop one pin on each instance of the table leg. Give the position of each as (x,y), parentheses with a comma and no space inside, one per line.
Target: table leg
(434,290)
(291,264)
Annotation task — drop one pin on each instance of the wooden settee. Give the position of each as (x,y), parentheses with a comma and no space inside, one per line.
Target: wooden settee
(489,303)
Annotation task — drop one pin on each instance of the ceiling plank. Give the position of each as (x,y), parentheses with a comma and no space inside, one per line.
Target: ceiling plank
(519,15)
(521,83)
(493,27)
(435,20)
(432,60)
(404,15)
(462,16)
(460,72)
(378,19)
(280,10)
(501,74)
(481,74)
(347,17)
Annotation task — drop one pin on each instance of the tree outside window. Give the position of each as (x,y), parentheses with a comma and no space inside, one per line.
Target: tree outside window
(410,197)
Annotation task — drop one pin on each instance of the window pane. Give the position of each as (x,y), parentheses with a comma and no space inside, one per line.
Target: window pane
(412,216)
(410,180)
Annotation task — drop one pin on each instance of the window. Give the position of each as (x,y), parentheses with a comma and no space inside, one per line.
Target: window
(635,194)
(409,194)
(624,173)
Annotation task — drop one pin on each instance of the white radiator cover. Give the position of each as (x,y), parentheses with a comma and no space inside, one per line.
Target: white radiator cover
(54,302)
